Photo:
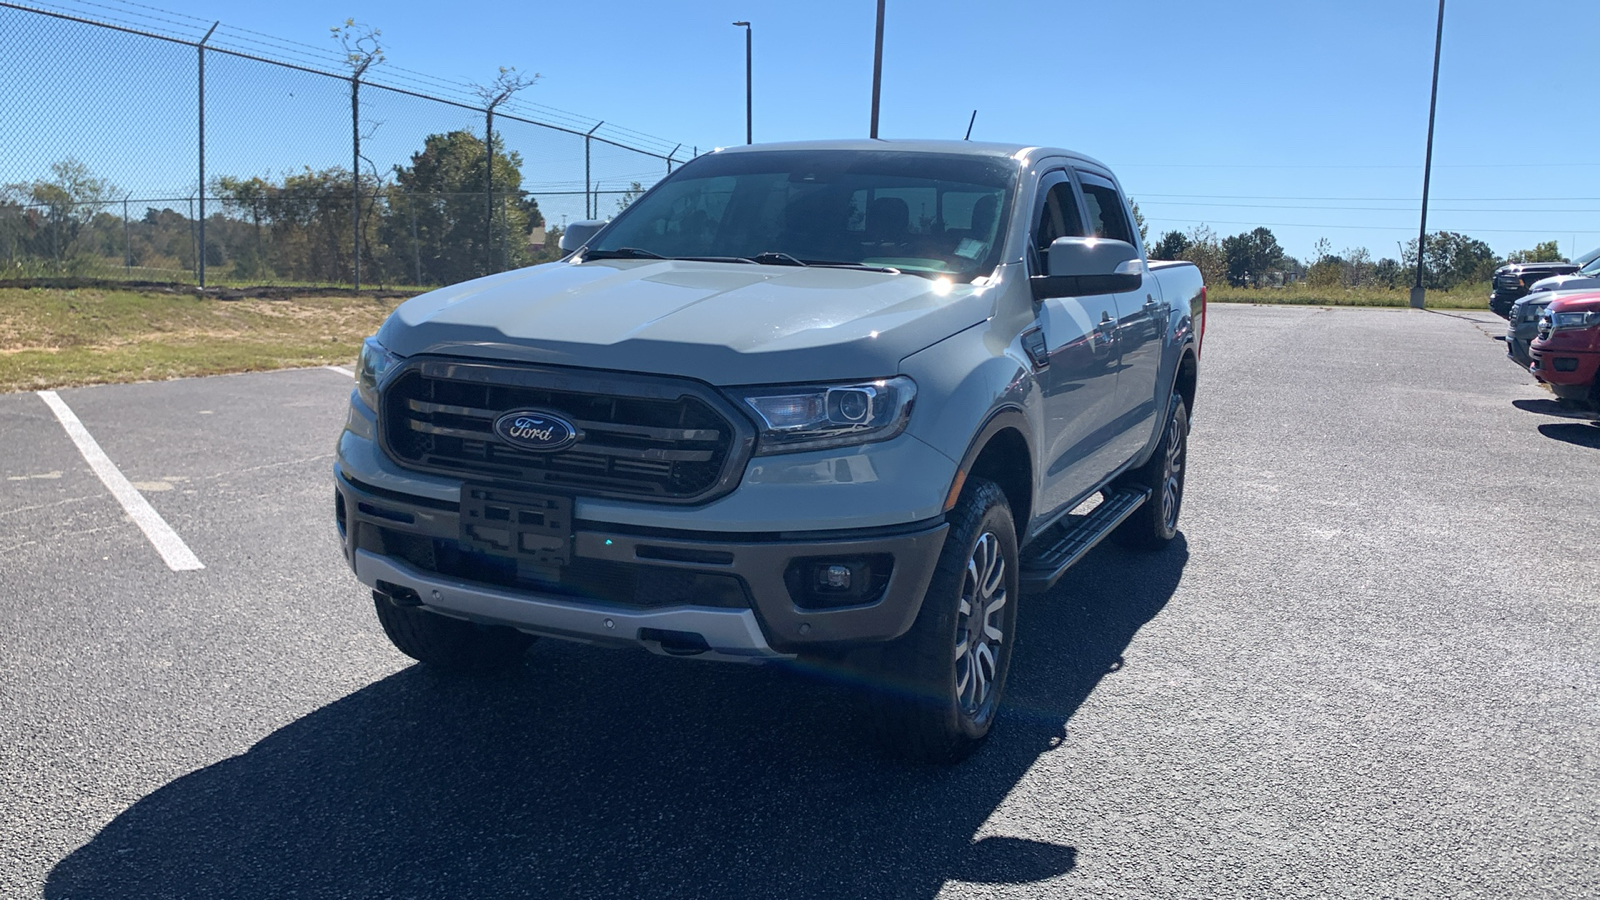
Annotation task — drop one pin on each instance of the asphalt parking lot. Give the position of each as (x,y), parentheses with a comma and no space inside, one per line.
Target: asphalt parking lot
(1369,667)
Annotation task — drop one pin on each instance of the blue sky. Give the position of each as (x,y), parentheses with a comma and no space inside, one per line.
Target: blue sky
(1309,117)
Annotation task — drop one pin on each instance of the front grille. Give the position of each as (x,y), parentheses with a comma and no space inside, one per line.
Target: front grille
(644,437)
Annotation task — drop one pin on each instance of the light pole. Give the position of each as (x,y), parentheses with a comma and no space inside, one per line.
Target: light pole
(749,133)
(1418,293)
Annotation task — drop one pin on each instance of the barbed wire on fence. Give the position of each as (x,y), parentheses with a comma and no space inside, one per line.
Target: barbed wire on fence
(96,184)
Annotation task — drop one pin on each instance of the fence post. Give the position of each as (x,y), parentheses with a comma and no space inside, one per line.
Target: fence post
(589,199)
(488,191)
(355,175)
(200,253)
(192,242)
(127,246)
(416,249)
(670,156)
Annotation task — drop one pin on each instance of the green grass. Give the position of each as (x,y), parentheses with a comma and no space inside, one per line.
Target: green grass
(53,337)
(1474,296)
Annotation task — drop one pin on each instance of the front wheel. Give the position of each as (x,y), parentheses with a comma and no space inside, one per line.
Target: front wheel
(447,644)
(938,687)
(1153,525)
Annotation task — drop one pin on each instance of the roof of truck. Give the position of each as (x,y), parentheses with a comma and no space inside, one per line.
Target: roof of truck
(967,148)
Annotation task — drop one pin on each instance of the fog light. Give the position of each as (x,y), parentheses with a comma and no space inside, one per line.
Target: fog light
(1566,363)
(823,583)
(835,578)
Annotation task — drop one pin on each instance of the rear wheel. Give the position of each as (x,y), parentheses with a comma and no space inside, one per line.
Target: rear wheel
(938,687)
(451,645)
(1155,523)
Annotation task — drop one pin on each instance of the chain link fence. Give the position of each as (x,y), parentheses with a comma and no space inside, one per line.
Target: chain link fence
(149,147)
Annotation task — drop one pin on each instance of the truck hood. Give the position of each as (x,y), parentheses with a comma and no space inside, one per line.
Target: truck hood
(1566,283)
(722,323)
(1586,302)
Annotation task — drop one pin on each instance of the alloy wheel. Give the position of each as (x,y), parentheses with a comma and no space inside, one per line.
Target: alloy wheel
(979,626)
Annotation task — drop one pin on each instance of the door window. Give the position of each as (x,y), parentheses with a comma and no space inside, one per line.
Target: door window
(1057,216)
(1106,215)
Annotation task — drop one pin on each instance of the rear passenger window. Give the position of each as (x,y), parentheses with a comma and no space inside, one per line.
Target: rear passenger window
(1103,207)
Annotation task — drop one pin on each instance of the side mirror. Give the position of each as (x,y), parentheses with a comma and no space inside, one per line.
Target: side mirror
(578,233)
(1080,267)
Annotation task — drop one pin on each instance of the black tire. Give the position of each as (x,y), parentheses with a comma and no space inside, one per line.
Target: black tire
(451,645)
(1154,524)
(935,691)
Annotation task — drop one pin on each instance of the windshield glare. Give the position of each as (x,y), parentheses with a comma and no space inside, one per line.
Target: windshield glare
(937,215)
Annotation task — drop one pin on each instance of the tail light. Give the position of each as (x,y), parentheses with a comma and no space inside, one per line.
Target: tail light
(1201,343)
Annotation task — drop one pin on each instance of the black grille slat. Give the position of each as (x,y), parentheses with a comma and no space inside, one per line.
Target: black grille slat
(650,438)
(616,428)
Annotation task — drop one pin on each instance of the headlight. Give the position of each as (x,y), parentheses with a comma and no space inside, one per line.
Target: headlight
(1562,321)
(814,417)
(375,361)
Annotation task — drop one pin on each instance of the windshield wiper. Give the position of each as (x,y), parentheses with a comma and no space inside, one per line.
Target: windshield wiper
(621,253)
(865,267)
(775,258)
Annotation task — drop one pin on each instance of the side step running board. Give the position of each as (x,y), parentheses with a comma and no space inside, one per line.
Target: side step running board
(1052,553)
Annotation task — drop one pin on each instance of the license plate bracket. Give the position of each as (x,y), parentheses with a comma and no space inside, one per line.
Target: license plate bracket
(526,526)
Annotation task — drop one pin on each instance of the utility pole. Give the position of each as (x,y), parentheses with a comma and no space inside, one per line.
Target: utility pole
(877,72)
(201,250)
(1418,293)
(589,199)
(749,133)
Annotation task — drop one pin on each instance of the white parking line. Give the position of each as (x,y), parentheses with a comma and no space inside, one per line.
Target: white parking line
(342,371)
(173,550)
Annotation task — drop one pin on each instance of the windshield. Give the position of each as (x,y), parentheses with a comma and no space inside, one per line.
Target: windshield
(937,215)
(1591,263)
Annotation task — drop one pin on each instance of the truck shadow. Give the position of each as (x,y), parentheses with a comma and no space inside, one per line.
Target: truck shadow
(1573,433)
(590,773)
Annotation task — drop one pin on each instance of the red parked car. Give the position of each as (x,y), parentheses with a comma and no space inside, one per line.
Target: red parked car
(1566,354)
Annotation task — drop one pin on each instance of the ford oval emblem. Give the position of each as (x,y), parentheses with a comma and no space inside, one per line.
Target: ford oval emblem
(535,429)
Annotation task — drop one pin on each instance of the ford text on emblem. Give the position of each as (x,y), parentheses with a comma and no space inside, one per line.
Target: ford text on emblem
(532,429)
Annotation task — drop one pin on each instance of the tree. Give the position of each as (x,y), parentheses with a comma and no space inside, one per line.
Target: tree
(1171,246)
(1138,219)
(1388,273)
(454,232)
(1451,259)
(1205,251)
(628,196)
(248,196)
(1544,251)
(1326,272)
(53,213)
(1251,256)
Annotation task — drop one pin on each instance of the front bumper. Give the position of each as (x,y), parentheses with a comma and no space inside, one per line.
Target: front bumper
(1502,299)
(1577,383)
(382,530)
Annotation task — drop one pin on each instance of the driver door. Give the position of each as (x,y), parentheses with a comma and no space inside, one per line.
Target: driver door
(1079,385)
